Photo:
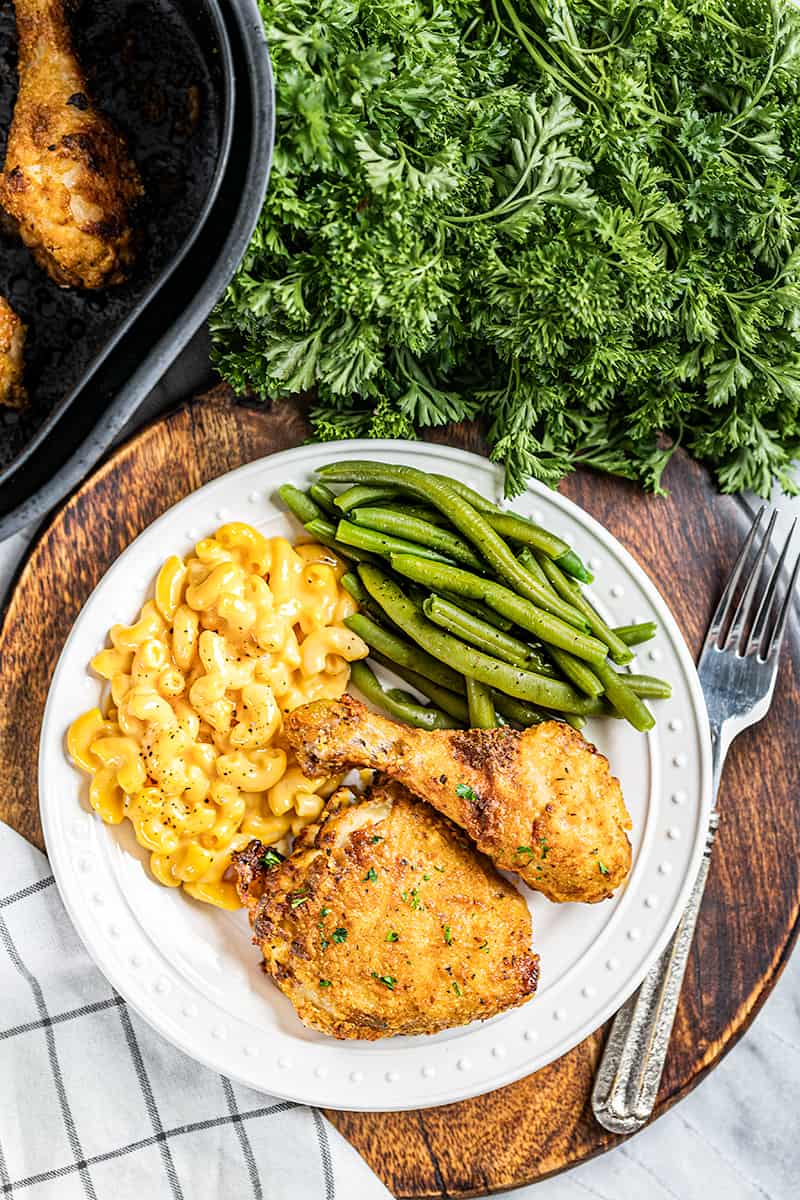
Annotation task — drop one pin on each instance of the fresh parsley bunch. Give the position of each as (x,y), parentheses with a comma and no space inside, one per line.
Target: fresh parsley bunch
(578,220)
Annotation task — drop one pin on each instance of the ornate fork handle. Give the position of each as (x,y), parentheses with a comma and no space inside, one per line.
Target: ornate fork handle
(627,1082)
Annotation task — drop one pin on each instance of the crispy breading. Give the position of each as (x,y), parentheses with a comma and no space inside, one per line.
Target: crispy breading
(386,920)
(69,182)
(542,803)
(12,344)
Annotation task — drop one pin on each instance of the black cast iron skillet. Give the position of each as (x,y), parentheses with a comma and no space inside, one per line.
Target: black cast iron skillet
(163,70)
(163,327)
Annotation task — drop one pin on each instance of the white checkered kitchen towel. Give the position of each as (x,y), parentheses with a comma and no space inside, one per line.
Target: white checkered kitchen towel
(94,1104)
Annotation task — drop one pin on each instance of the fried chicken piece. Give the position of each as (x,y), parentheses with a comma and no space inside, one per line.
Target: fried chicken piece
(69,182)
(386,920)
(12,343)
(541,803)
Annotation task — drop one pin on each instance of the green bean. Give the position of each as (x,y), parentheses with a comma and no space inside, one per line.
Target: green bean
(573,668)
(325,533)
(548,628)
(400,651)
(647,687)
(467,520)
(481,708)
(518,711)
(423,513)
(576,720)
(298,503)
(485,637)
(479,610)
(650,687)
(571,592)
(352,584)
(522,529)
(401,525)
(577,672)
(531,563)
(499,597)
(469,494)
(449,701)
(622,697)
(525,685)
(514,710)
(355,496)
(399,704)
(381,543)
(325,498)
(634,635)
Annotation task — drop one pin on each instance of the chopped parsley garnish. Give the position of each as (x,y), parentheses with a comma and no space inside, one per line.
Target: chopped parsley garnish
(439,869)
(465,792)
(271,858)
(415,900)
(298,898)
(524,850)
(371,875)
(324,983)
(603,869)
(456,988)
(448,937)
(340,935)
(484,947)
(376,838)
(544,845)
(387,980)
(392,936)
(324,912)
(425,878)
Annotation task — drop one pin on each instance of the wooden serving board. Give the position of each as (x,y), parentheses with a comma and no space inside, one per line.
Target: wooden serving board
(749,920)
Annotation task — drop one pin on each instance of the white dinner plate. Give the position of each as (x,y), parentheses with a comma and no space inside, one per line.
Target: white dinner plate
(191,970)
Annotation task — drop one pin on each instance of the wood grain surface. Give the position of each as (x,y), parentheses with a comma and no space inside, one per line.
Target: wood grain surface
(749,920)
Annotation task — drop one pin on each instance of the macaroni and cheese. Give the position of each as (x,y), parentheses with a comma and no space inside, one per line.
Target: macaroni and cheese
(189,747)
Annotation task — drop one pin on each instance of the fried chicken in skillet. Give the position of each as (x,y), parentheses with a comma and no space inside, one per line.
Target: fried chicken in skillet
(541,803)
(69,182)
(385,920)
(12,344)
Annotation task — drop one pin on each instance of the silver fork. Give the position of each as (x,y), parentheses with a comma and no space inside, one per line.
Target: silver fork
(738,668)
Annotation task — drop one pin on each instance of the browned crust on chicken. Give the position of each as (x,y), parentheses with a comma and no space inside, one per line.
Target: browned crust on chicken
(12,345)
(69,182)
(388,921)
(542,802)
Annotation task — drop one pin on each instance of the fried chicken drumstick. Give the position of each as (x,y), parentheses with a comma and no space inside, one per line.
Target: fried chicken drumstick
(12,342)
(69,182)
(386,920)
(541,803)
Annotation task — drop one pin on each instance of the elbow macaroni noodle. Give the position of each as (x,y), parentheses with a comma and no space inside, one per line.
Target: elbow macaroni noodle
(190,746)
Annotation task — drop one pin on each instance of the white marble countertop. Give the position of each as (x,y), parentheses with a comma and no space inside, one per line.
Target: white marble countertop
(736,1137)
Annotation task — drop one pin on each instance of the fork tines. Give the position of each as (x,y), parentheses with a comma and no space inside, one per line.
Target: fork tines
(749,625)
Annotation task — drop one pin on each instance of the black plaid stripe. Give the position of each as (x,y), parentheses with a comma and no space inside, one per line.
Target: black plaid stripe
(244,1140)
(30,890)
(143,1143)
(149,1099)
(325,1154)
(59,1018)
(55,1067)
(5,1178)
